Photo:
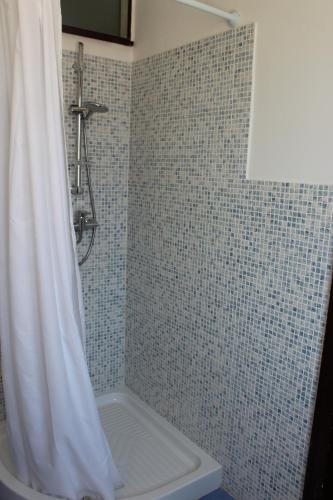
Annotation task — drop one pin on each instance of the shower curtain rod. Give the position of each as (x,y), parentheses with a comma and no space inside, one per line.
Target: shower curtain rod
(233,18)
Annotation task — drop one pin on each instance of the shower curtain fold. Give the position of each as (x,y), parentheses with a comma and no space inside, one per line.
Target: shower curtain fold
(58,444)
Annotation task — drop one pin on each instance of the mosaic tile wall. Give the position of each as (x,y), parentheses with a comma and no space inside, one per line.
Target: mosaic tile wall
(227,278)
(104,274)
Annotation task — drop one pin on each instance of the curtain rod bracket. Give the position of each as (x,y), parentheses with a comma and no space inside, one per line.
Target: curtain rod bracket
(233,18)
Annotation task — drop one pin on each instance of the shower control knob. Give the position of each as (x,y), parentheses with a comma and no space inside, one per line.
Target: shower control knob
(83,221)
(91,224)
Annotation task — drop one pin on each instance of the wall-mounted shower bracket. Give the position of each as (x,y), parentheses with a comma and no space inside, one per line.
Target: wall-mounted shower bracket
(77,67)
(77,188)
(82,110)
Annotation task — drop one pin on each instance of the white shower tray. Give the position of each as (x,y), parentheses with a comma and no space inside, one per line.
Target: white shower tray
(155,460)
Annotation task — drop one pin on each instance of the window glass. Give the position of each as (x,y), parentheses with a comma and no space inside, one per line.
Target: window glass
(108,17)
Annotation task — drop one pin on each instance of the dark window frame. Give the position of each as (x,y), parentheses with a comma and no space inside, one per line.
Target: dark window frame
(319,474)
(105,36)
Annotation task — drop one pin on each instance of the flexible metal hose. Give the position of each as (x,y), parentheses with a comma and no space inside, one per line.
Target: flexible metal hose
(91,194)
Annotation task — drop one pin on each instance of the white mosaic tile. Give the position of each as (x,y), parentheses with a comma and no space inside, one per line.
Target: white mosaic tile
(227,279)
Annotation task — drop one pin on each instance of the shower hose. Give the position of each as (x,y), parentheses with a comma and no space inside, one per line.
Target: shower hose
(91,196)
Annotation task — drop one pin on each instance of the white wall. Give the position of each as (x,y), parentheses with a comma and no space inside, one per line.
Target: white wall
(293,96)
(293,102)
(164,24)
(292,129)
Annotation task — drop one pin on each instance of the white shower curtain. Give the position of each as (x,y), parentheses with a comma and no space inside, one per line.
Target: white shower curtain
(56,437)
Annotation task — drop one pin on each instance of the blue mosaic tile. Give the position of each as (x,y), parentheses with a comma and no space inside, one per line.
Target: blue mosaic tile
(227,279)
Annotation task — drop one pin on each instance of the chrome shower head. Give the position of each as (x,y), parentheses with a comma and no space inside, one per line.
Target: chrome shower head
(94,107)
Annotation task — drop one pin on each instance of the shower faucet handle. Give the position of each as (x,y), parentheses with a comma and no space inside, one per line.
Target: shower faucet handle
(81,216)
(82,221)
(90,223)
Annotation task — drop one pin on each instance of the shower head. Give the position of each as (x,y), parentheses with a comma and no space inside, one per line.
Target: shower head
(94,107)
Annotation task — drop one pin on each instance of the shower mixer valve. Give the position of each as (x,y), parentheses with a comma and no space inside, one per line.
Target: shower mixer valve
(82,222)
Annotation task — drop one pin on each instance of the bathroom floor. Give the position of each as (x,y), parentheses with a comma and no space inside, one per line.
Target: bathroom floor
(218,495)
